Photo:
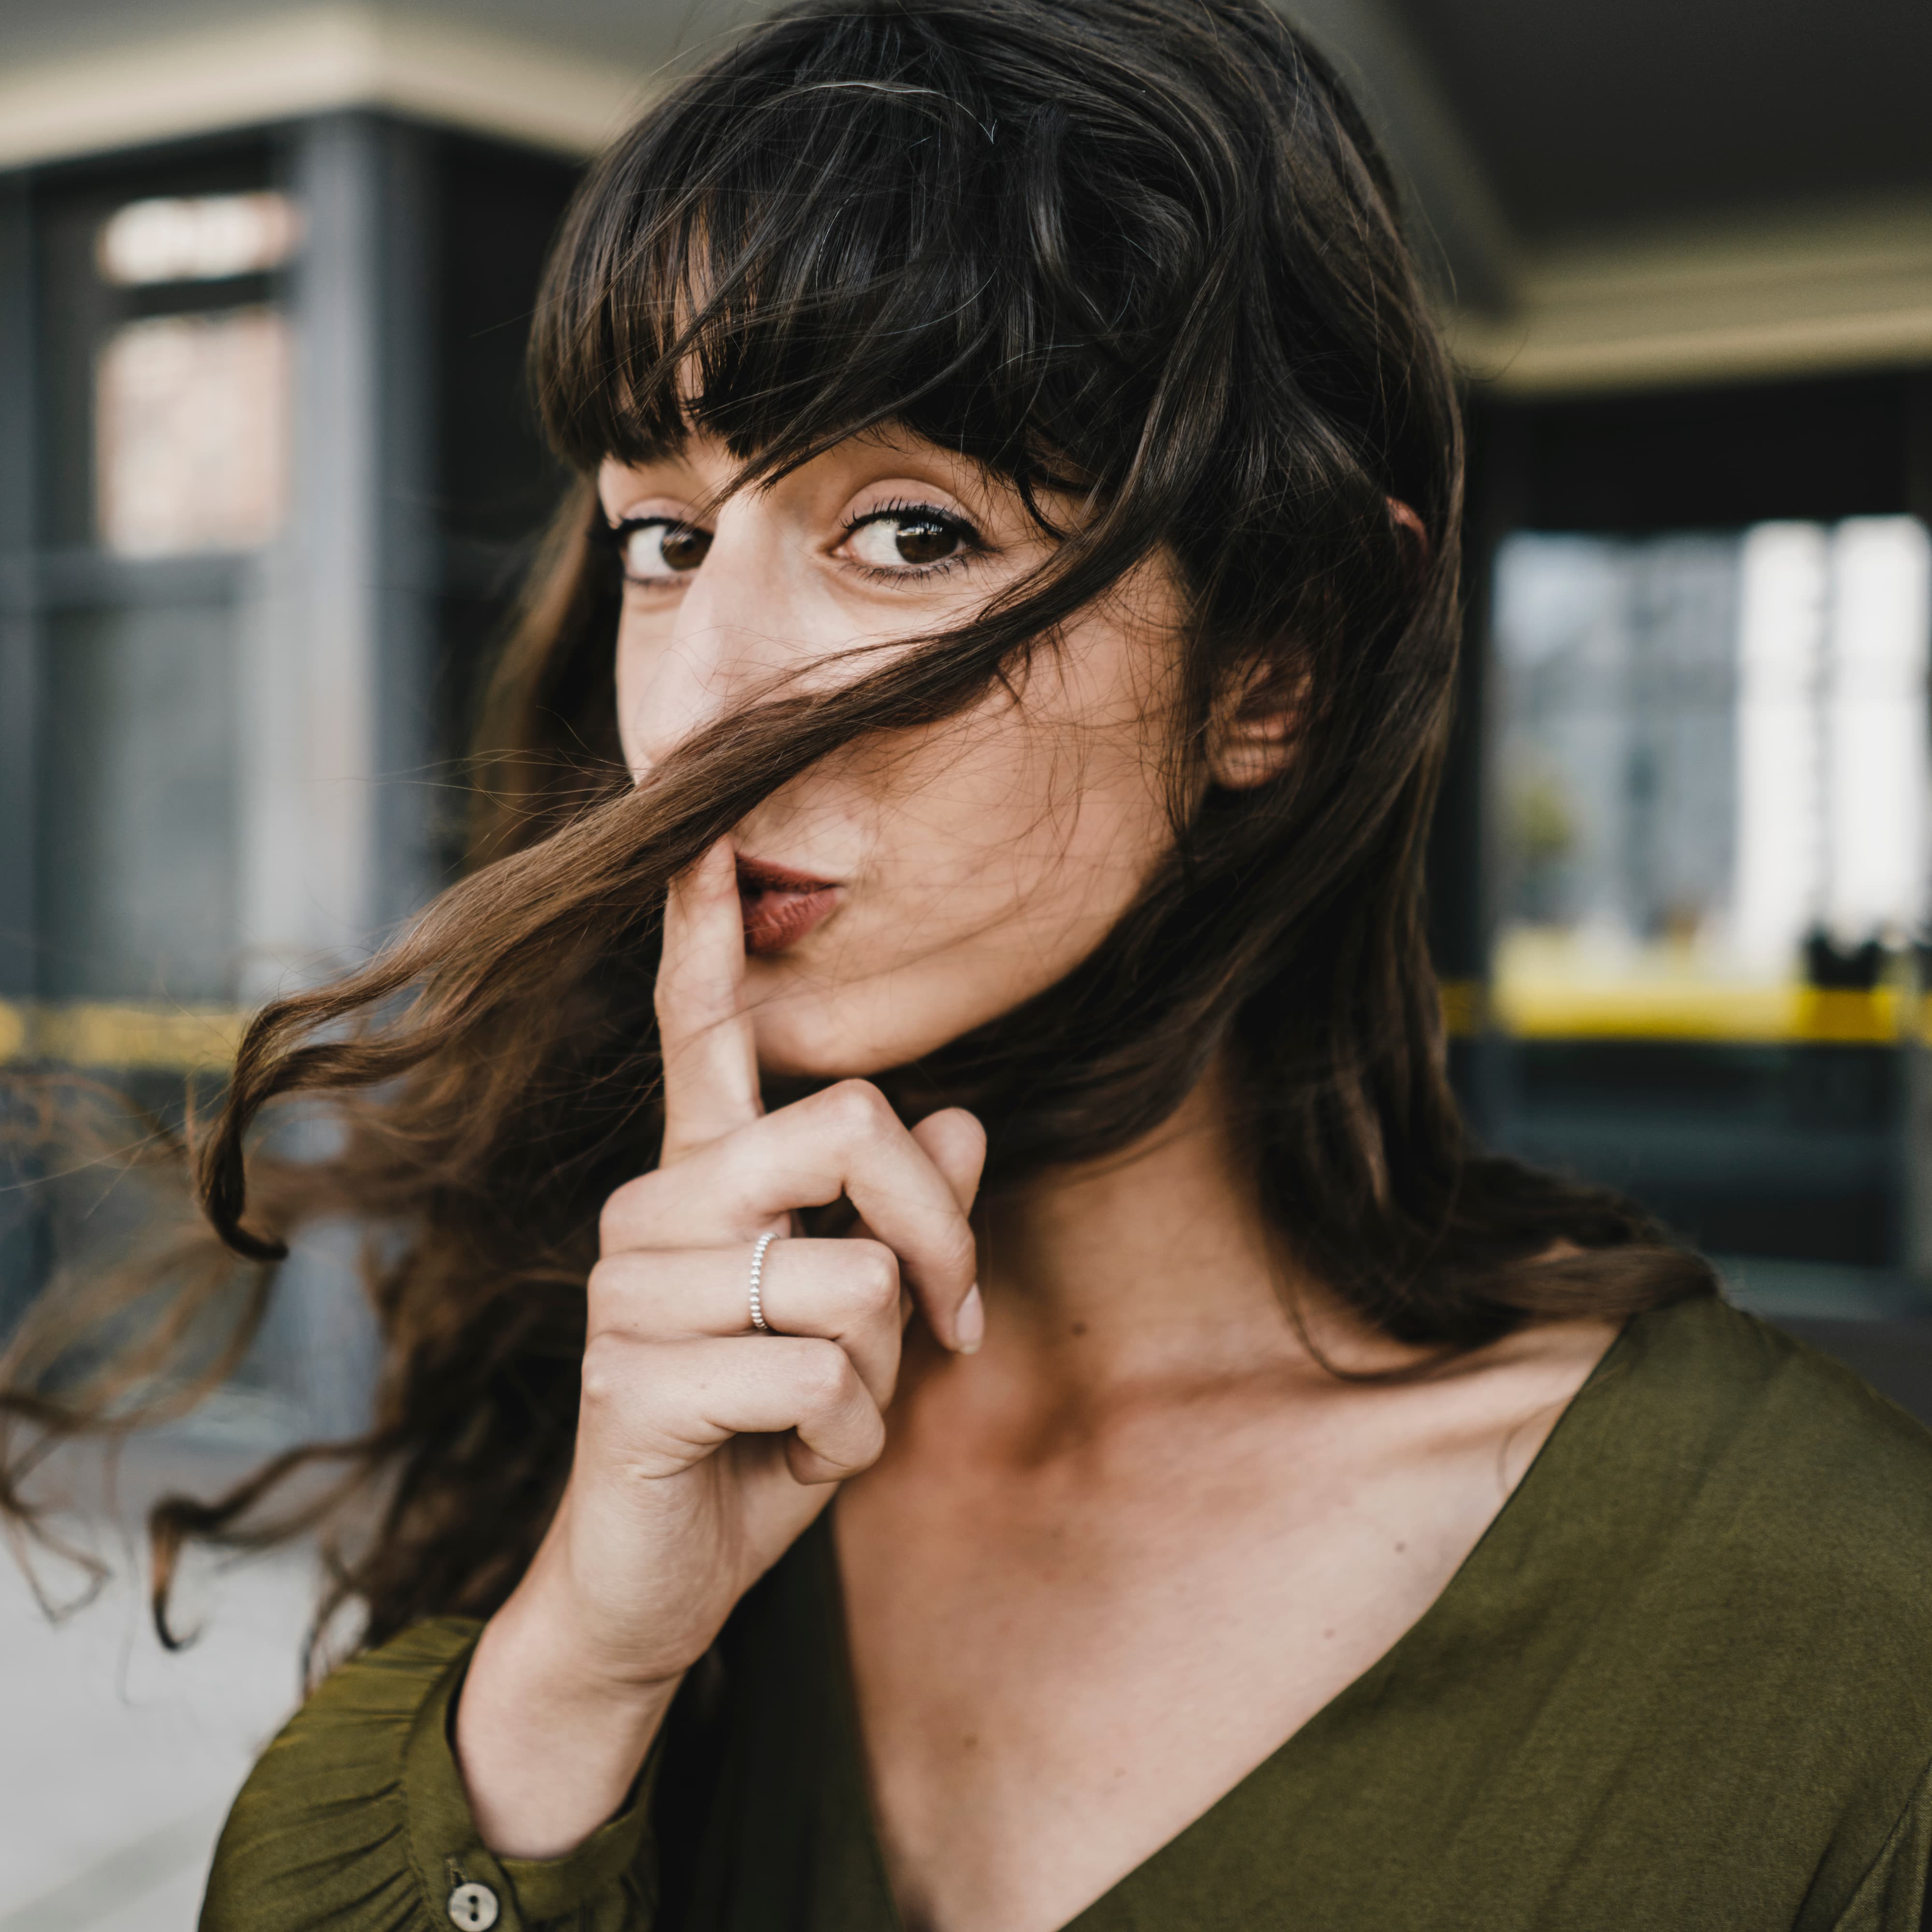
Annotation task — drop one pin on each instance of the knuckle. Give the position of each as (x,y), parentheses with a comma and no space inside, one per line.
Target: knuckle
(860,1442)
(608,1278)
(827,1378)
(608,1365)
(859,1108)
(866,1443)
(873,1269)
(613,1291)
(617,1223)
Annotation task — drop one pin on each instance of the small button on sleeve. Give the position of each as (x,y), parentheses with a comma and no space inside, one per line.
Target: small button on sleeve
(473,1907)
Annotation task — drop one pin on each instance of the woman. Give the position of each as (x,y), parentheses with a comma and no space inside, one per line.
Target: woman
(1069,1434)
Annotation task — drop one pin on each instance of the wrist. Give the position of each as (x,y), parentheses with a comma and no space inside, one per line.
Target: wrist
(544,1638)
(549,1743)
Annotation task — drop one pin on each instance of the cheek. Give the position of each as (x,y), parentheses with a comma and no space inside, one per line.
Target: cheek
(1083,759)
(998,850)
(1045,813)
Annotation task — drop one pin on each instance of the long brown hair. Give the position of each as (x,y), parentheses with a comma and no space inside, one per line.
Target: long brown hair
(1143,253)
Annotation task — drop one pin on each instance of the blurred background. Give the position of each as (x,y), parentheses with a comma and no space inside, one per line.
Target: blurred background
(268,475)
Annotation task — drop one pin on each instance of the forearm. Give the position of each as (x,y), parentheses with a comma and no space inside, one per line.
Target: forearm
(549,1747)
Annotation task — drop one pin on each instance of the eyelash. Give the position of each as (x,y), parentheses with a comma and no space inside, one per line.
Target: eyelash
(615,536)
(972,543)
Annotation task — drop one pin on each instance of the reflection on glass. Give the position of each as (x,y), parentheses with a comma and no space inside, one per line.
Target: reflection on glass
(198,239)
(1713,781)
(191,432)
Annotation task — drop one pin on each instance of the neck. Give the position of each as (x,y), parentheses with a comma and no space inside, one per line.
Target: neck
(1156,1262)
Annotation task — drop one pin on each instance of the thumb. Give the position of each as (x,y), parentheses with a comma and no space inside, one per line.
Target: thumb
(955,1143)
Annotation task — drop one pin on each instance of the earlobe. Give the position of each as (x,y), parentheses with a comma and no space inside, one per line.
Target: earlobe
(1253,737)
(1252,750)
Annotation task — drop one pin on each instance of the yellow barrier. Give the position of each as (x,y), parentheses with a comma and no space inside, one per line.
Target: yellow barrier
(132,1037)
(146,1037)
(1686,1010)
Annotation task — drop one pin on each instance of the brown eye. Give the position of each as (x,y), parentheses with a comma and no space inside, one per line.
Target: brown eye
(684,547)
(900,539)
(924,540)
(659,550)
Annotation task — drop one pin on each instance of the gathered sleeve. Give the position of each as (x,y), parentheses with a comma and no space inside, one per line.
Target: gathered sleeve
(356,1819)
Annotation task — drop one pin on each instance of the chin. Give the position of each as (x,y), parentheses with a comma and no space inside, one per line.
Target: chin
(805,1030)
(785,1053)
(805,1034)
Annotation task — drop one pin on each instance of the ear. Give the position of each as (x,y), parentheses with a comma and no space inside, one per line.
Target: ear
(1251,737)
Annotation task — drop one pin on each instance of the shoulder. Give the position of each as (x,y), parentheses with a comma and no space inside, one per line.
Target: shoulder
(1757,1469)
(1715,1383)
(1691,1668)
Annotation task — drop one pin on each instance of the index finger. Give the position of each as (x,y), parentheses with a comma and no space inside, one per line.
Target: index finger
(710,1054)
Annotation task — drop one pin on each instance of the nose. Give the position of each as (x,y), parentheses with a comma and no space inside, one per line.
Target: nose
(717,645)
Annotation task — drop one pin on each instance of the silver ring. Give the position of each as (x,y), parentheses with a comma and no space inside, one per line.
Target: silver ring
(758,1321)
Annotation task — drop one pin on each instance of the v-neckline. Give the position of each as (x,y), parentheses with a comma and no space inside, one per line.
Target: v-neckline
(1101,1914)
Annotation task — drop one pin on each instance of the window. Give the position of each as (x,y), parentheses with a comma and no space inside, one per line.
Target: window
(191,432)
(1712,775)
(191,403)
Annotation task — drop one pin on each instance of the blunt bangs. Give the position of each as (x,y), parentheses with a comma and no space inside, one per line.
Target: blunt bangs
(850,230)
(926,213)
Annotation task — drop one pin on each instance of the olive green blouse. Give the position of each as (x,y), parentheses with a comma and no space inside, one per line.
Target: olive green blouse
(1685,1680)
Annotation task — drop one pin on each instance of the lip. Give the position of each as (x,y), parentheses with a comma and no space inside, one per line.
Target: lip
(781,905)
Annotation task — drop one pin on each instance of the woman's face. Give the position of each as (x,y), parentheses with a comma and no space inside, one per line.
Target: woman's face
(910,888)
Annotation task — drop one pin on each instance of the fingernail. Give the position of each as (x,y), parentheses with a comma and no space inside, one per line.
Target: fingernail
(969,1325)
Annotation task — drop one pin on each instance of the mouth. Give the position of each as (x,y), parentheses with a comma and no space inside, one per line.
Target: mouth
(780,906)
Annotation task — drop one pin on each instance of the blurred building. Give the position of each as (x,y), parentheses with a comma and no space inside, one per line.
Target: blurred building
(267,472)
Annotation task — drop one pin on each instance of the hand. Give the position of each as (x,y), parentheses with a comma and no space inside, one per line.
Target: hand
(703,1447)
